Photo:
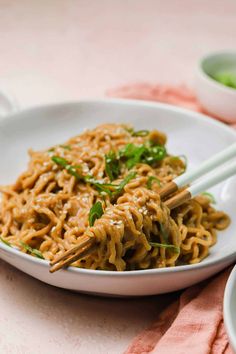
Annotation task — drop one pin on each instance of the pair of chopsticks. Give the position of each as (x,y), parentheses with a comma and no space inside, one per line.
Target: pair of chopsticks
(84,248)
(208,176)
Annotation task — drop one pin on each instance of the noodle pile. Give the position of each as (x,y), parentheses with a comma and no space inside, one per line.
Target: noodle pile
(104,184)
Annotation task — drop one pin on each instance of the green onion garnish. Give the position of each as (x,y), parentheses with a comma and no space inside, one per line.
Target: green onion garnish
(95,213)
(210,196)
(125,181)
(150,180)
(66,147)
(163,245)
(51,150)
(72,170)
(164,233)
(154,154)
(112,189)
(100,186)
(133,154)
(109,188)
(129,130)
(140,133)
(112,165)
(31,250)
(5,241)
(180,157)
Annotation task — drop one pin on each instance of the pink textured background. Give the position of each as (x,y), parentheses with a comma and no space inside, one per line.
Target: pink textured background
(54,50)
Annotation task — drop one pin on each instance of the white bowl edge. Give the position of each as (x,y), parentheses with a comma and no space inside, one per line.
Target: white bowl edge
(229,297)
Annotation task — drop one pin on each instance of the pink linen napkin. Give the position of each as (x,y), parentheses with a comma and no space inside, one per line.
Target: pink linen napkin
(194,322)
(177,95)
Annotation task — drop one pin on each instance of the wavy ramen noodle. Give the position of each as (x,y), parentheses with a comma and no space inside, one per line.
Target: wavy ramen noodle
(104,184)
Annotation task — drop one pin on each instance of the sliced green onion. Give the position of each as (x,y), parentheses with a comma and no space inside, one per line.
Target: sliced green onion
(180,157)
(132,154)
(101,187)
(95,213)
(164,233)
(210,196)
(125,181)
(163,245)
(60,161)
(109,188)
(150,180)
(50,151)
(31,250)
(129,130)
(141,133)
(183,158)
(5,241)
(112,165)
(155,154)
(72,170)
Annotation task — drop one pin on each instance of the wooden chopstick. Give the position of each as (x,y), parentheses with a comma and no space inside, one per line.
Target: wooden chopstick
(87,244)
(73,254)
(80,254)
(178,199)
(84,241)
(215,161)
(168,189)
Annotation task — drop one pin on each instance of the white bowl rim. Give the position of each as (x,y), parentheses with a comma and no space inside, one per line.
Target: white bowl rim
(144,272)
(229,291)
(208,78)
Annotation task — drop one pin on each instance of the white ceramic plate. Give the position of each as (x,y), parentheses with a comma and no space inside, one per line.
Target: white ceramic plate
(189,133)
(230,308)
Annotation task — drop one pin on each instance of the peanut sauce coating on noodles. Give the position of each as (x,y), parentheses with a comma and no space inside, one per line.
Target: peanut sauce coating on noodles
(48,208)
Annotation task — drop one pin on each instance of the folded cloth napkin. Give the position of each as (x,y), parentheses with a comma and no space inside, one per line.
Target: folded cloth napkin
(194,322)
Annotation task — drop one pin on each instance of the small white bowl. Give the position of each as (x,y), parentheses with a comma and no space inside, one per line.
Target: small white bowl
(230,308)
(218,99)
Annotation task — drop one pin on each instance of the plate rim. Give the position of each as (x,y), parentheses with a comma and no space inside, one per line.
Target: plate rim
(123,101)
(143,272)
